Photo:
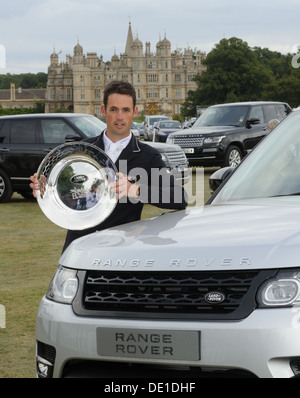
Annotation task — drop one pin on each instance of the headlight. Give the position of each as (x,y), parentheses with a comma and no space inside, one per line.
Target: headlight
(164,157)
(213,140)
(63,287)
(284,290)
(170,140)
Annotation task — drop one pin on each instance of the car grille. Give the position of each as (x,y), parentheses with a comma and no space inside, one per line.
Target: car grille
(176,158)
(188,141)
(170,294)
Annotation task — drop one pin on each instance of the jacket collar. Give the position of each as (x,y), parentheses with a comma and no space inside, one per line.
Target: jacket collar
(133,145)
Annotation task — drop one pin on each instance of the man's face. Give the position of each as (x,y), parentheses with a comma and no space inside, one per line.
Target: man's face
(119,114)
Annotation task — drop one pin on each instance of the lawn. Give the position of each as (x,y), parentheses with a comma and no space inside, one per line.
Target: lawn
(30,249)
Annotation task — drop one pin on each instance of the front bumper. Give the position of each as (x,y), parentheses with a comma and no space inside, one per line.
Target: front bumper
(264,344)
(205,156)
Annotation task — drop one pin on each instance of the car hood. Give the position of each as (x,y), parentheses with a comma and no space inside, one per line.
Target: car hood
(259,234)
(207,130)
(162,147)
(169,131)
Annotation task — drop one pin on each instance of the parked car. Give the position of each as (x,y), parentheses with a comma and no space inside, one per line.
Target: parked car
(189,123)
(224,134)
(208,289)
(140,127)
(135,131)
(26,139)
(149,123)
(163,128)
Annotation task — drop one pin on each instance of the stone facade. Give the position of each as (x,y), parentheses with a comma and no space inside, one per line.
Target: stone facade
(21,98)
(162,79)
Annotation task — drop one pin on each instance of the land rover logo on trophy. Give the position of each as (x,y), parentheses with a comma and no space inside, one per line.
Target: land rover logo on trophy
(79,179)
(215,297)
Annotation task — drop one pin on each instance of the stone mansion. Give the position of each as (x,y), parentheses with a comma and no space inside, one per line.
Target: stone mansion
(162,79)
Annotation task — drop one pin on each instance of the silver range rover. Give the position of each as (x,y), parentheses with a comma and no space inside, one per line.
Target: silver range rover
(190,293)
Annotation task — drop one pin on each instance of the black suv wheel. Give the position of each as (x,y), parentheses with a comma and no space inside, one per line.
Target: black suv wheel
(233,156)
(6,190)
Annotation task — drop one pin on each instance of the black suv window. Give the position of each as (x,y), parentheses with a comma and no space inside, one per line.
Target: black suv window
(257,113)
(22,131)
(226,115)
(4,133)
(271,113)
(282,111)
(54,131)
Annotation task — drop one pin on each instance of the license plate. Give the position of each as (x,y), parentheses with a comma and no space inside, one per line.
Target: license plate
(188,150)
(149,344)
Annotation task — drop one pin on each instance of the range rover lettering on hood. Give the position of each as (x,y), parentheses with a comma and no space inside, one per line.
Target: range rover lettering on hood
(176,263)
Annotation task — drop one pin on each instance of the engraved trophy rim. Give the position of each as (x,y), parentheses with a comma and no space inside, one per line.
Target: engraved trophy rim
(76,181)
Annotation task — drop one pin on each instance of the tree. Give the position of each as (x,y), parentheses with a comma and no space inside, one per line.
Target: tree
(234,73)
(24,80)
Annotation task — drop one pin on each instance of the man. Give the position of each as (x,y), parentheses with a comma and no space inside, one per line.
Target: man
(139,184)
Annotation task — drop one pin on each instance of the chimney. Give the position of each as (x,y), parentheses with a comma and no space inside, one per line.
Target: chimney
(12,91)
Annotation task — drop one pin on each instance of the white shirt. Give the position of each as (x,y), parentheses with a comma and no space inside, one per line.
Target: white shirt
(114,149)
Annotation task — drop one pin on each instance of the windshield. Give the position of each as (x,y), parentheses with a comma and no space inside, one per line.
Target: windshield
(89,125)
(272,169)
(170,125)
(157,119)
(227,115)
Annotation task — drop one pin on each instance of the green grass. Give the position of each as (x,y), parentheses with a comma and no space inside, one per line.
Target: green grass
(30,250)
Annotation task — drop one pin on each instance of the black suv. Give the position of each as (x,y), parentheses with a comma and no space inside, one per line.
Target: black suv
(26,139)
(224,134)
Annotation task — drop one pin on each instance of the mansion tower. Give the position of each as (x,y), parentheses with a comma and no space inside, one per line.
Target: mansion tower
(162,79)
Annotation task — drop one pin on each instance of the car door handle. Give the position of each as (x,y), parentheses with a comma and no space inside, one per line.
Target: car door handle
(4,150)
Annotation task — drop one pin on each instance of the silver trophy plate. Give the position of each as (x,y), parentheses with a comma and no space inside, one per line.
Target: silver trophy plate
(76,183)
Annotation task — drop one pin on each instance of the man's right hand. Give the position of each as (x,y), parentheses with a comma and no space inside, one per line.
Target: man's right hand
(34,185)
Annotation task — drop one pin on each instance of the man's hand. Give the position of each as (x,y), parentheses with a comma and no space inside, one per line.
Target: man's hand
(34,185)
(124,187)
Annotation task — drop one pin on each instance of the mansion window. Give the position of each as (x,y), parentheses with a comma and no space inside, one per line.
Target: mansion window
(98,110)
(177,77)
(82,94)
(152,78)
(177,108)
(178,93)
(152,93)
(111,77)
(82,79)
(191,78)
(69,92)
(152,65)
(97,94)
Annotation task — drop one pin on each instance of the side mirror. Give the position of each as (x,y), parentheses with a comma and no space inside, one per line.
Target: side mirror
(250,122)
(219,177)
(72,138)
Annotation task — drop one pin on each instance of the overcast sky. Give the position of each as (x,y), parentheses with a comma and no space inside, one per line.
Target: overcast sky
(29,29)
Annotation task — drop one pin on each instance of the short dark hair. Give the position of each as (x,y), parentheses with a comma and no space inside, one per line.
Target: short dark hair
(119,87)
